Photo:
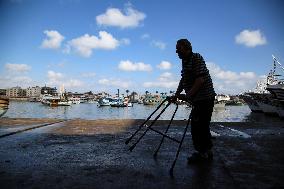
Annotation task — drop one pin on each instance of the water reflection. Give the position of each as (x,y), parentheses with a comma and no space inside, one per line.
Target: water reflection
(259,117)
(138,111)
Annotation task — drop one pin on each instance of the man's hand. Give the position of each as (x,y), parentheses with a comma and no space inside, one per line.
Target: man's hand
(185,97)
(176,97)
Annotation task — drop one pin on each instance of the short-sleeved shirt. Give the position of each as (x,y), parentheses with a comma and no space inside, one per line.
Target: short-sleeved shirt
(192,68)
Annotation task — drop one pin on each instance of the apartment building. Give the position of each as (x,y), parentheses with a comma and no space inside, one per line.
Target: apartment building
(16,92)
(48,90)
(33,91)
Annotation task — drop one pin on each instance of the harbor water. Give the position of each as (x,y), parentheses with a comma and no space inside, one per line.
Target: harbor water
(92,111)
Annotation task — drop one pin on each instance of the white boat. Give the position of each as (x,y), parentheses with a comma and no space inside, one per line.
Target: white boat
(105,101)
(221,100)
(64,103)
(46,99)
(54,101)
(268,97)
(121,102)
(222,97)
(75,100)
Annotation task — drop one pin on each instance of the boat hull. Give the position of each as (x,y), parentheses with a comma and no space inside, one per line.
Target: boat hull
(4,105)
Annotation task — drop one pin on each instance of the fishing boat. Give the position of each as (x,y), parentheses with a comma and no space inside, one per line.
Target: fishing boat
(75,100)
(234,103)
(46,99)
(121,102)
(55,101)
(153,99)
(104,101)
(4,105)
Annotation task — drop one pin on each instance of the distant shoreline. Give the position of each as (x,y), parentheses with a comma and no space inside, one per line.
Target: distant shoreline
(19,98)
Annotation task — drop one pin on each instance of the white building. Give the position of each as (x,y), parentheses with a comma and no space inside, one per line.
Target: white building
(33,91)
(16,92)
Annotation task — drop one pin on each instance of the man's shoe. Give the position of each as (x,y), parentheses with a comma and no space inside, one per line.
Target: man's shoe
(198,157)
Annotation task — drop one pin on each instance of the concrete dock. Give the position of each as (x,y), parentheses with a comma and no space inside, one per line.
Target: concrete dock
(52,153)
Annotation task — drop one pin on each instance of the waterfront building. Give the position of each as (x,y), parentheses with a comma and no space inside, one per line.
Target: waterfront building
(16,92)
(49,90)
(3,92)
(102,94)
(33,91)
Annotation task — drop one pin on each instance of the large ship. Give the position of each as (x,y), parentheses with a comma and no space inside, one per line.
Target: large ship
(268,96)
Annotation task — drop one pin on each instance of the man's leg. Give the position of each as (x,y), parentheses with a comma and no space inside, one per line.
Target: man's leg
(200,131)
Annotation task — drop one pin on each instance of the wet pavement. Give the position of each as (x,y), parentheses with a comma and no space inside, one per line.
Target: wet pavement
(50,153)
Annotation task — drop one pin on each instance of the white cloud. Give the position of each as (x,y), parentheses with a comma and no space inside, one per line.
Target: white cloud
(85,44)
(115,83)
(168,85)
(127,65)
(166,76)
(22,79)
(165,80)
(59,79)
(161,45)
(73,83)
(89,74)
(53,40)
(13,81)
(54,76)
(251,38)
(125,41)
(164,65)
(230,82)
(17,67)
(145,36)
(15,75)
(114,17)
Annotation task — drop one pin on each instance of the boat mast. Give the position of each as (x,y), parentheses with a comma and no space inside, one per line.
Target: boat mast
(275,60)
(271,78)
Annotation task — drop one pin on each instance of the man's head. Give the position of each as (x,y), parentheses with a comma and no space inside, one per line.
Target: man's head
(183,48)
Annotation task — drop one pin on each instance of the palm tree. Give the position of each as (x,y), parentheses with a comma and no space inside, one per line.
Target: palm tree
(127,91)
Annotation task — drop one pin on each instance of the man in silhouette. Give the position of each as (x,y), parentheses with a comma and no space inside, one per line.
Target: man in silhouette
(197,84)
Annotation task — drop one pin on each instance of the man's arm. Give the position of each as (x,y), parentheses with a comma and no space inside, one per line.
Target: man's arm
(179,88)
(198,83)
(178,91)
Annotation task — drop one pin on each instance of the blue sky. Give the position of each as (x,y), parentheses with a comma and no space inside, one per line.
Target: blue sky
(105,45)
